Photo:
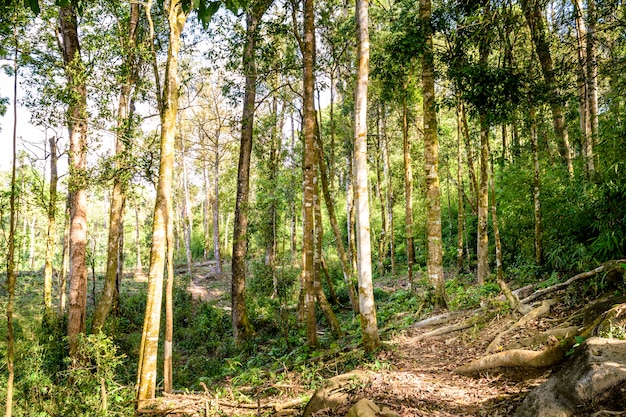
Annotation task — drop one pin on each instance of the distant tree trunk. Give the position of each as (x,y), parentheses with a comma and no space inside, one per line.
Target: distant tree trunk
(31,243)
(581,79)
(52,208)
(592,84)
(431,158)
(242,329)
(318,263)
(11,269)
(470,156)
(482,251)
(459,185)
(369,325)
(380,193)
(147,369)
(186,217)
(389,196)
(496,228)
(309,174)
(65,262)
(77,126)
(138,266)
(118,198)
(408,193)
(536,24)
(330,208)
(536,188)
(217,255)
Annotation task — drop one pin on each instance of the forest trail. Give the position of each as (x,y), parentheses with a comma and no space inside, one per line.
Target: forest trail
(209,286)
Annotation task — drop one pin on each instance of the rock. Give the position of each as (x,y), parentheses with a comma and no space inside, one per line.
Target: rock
(364,408)
(596,370)
(336,392)
(386,412)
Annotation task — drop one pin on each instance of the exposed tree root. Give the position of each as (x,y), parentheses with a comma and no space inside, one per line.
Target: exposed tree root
(541,338)
(442,318)
(607,266)
(472,321)
(534,314)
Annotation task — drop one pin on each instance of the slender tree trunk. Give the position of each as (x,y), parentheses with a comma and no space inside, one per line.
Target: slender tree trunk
(309,174)
(65,262)
(138,266)
(169,310)
(536,188)
(592,84)
(582,82)
(217,255)
(31,243)
(118,197)
(77,126)
(317,260)
(382,241)
(496,228)
(470,156)
(52,208)
(536,24)
(367,308)
(389,196)
(147,369)
(186,217)
(242,329)
(482,251)
(408,193)
(11,269)
(431,158)
(459,185)
(346,269)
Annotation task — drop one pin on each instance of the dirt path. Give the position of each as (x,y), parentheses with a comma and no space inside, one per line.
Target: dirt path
(206,284)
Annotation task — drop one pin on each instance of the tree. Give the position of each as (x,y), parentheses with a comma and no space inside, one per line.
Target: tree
(431,158)
(367,308)
(242,329)
(77,126)
(123,134)
(147,369)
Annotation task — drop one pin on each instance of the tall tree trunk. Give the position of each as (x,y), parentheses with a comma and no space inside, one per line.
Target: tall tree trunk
(431,159)
(367,308)
(408,192)
(536,24)
(482,250)
(309,174)
(459,185)
(147,369)
(389,196)
(169,310)
(11,269)
(242,329)
(217,255)
(32,229)
(346,269)
(65,261)
(582,81)
(592,84)
(496,228)
(77,126)
(473,200)
(382,241)
(138,266)
(118,198)
(536,188)
(186,216)
(335,328)
(50,238)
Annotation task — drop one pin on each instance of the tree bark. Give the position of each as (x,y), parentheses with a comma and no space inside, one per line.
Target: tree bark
(186,216)
(118,197)
(408,193)
(242,329)
(51,233)
(367,308)
(592,85)
(459,185)
(309,175)
(536,188)
(147,369)
(431,159)
(535,20)
(582,81)
(389,195)
(77,126)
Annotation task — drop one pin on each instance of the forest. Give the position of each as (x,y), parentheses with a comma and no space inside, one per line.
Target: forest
(316,207)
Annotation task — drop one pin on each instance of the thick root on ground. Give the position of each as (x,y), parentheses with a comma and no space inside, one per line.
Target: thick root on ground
(515,358)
